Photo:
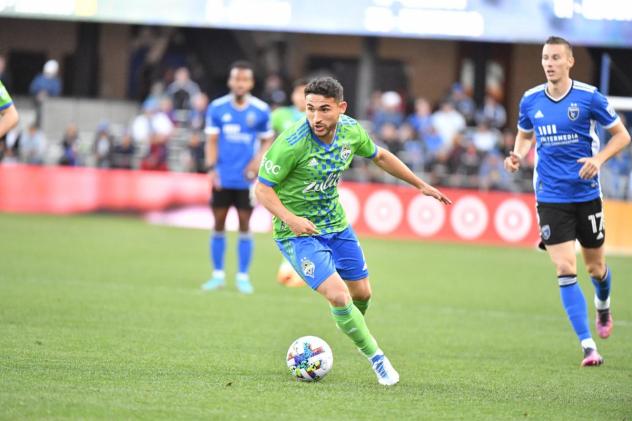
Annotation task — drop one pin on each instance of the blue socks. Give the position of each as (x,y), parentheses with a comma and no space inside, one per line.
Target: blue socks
(244,251)
(217,246)
(574,304)
(602,286)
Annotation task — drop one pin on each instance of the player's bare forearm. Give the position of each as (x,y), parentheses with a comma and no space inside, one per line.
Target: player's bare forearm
(523,144)
(211,149)
(270,200)
(8,119)
(395,167)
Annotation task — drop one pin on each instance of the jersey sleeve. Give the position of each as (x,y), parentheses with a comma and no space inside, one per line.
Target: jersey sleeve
(5,98)
(602,111)
(277,163)
(213,124)
(524,122)
(264,127)
(366,147)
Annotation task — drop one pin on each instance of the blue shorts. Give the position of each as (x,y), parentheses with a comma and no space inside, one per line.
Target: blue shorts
(316,258)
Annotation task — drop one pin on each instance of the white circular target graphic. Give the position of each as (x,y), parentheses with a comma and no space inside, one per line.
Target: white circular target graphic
(469,217)
(350,204)
(425,216)
(512,220)
(383,211)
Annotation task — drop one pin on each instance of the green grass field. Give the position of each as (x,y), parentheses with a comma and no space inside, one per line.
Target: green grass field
(102,317)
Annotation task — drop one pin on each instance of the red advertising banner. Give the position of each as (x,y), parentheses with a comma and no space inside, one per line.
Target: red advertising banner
(373,209)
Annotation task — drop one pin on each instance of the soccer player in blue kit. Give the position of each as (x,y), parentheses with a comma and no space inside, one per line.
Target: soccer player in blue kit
(239,132)
(560,115)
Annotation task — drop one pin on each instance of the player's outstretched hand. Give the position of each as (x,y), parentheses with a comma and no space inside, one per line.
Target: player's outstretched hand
(512,162)
(302,226)
(428,190)
(590,168)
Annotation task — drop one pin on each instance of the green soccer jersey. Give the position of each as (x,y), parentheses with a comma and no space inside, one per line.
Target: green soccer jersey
(5,98)
(305,172)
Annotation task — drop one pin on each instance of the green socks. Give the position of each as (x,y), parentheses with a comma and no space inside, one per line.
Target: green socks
(362,305)
(351,322)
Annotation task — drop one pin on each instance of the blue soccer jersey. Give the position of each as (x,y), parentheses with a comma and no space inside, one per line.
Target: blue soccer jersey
(565,131)
(239,130)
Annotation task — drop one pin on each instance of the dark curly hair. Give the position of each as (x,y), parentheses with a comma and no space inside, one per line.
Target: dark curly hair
(325,86)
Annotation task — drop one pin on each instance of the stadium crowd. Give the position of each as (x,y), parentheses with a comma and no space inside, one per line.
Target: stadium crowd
(452,143)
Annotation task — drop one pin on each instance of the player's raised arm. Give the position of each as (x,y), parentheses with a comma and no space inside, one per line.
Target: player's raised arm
(619,140)
(395,167)
(524,141)
(269,199)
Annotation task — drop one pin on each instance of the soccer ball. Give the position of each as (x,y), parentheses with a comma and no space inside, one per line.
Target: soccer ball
(309,359)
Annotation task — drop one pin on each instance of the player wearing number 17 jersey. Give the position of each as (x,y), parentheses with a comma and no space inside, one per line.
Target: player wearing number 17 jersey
(298,181)
(561,116)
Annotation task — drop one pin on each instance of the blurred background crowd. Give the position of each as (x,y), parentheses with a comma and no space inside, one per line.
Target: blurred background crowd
(452,142)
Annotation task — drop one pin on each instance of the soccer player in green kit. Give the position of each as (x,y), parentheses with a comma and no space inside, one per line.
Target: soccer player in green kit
(8,114)
(297,183)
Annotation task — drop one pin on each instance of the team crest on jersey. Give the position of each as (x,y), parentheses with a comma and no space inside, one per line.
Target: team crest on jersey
(345,152)
(308,267)
(251,119)
(573,111)
(545,232)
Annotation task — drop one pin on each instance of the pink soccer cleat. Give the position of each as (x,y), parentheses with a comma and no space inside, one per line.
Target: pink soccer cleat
(604,323)
(591,358)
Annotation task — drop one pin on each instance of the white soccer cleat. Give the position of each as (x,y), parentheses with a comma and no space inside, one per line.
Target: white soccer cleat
(386,374)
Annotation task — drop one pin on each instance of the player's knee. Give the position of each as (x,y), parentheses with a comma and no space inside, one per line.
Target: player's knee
(339,298)
(565,268)
(596,270)
(362,295)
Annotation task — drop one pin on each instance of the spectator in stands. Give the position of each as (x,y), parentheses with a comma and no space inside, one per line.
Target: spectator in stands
(492,175)
(463,103)
(152,129)
(412,147)
(465,162)
(389,112)
(32,145)
(388,136)
(421,120)
(492,112)
(273,92)
(485,138)
(181,92)
(103,145)
(70,146)
(447,121)
(197,141)
(123,152)
(197,116)
(46,83)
